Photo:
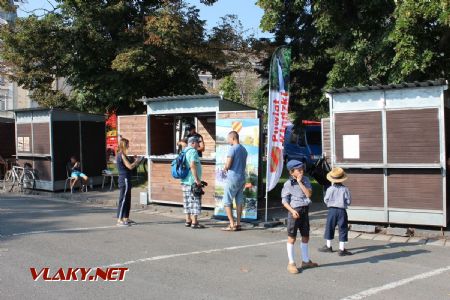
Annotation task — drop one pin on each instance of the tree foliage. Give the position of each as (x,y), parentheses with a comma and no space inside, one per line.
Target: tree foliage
(353,42)
(114,52)
(292,22)
(230,89)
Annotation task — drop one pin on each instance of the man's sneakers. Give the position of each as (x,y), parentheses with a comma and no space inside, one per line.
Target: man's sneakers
(292,268)
(326,249)
(344,252)
(309,265)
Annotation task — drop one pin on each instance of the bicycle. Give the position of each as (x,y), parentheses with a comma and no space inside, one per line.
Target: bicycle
(23,177)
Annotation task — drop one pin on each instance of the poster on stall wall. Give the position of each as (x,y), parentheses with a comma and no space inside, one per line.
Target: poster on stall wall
(20,144)
(248,130)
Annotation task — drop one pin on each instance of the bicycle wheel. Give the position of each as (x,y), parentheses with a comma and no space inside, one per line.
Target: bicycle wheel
(28,180)
(9,181)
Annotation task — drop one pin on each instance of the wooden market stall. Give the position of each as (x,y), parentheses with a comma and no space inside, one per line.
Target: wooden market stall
(393,142)
(47,138)
(166,120)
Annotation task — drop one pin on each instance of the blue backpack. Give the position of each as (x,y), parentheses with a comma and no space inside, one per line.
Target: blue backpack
(179,168)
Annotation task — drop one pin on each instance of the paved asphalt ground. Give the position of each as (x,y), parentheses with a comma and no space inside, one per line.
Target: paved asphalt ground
(168,261)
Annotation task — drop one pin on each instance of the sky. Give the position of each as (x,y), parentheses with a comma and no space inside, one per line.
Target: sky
(248,12)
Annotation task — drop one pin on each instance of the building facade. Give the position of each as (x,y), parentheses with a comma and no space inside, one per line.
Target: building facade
(12,96)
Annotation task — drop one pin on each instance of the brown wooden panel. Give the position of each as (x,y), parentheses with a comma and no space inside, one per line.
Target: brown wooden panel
(208,131)
(326,137)
(7,138)
(134,129)
(25,160)
(415,189)
(43,169)
(238,115)
(369,128)
(165,188)
(41,141)
(162,139)
(413,136)
(24,130)
(366,187)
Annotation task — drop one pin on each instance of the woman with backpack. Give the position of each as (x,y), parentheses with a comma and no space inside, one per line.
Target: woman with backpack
(124,167)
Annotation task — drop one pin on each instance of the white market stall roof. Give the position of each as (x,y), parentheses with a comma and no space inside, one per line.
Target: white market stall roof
(416,84)
(403,95)
(191,104)
(27,114)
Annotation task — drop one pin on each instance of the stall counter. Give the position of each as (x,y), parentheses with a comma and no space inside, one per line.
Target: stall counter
(166,189)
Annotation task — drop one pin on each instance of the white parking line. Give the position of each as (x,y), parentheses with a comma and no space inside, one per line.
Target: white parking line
(393,285)
(169,256)
(46,211)
(60,230)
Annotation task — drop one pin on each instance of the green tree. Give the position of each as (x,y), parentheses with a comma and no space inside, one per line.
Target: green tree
(352,42)
(230,89)
(360,49)
(293,23)
(114,52)
(421,36)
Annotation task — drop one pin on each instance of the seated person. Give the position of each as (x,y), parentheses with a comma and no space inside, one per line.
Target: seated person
(74,169)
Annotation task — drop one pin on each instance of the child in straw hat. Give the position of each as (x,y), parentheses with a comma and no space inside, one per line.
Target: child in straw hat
(337,198)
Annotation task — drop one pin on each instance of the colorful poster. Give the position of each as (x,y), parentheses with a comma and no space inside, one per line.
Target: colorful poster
(248,130)
(277,114)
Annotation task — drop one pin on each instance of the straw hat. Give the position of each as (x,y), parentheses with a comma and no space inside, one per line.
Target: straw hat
(337,175)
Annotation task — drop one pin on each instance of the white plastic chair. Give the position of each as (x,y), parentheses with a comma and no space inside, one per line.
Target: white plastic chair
(110,175)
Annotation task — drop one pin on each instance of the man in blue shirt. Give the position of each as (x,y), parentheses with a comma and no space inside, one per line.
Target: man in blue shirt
(234,188)
(192,202)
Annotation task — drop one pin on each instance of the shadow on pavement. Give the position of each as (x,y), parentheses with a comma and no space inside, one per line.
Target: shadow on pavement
(365,249)
(377,258)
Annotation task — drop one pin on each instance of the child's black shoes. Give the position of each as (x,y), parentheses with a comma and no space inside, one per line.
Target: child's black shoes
(344,252)
(326,249)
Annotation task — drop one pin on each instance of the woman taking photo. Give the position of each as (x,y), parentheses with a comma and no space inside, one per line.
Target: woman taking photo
(124,167)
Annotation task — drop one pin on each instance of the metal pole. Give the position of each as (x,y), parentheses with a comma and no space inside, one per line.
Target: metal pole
(267,167)
(267,205)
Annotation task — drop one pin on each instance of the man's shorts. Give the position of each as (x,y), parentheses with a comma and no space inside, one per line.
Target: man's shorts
(192,204)
(77,174)
(234,189)
(302,223)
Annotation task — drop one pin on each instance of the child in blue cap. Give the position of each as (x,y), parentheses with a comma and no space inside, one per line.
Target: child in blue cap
(295,197)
